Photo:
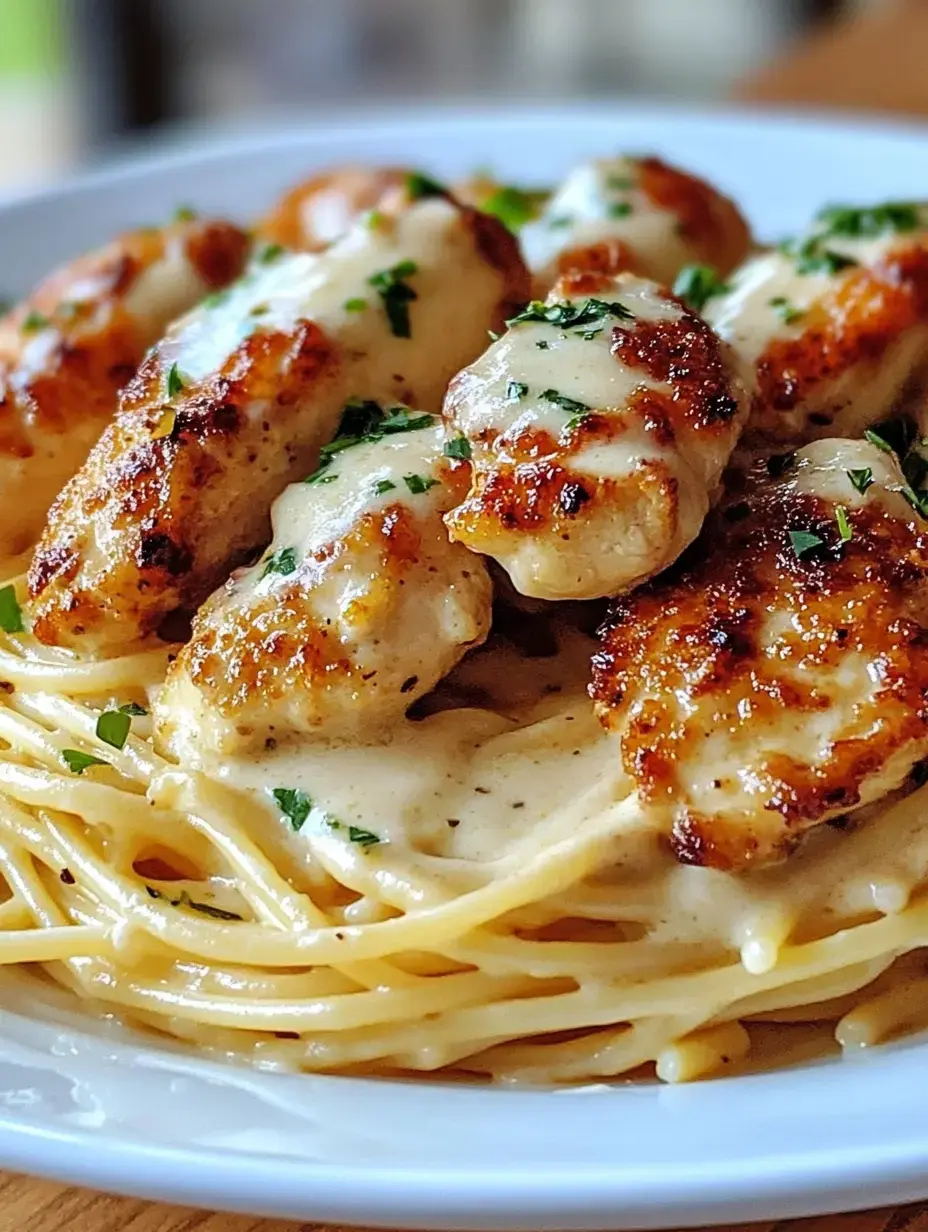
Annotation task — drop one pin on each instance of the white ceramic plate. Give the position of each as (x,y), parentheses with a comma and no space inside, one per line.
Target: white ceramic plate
(89,1104)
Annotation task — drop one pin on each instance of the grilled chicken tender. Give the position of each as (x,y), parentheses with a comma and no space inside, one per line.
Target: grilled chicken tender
(360,605)
(322,209)
(599,426)
(780,677)
(636,214)
(238,398)
(69,348)
(835,327)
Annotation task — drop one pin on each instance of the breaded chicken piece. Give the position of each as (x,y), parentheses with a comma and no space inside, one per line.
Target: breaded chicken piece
(778,675)
(319,211)
(637,214)
(237,400)
(599,426)
(834,325)
(359,606)
(67,350)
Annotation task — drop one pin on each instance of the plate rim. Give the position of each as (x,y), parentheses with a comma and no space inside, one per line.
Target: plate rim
(772,1187)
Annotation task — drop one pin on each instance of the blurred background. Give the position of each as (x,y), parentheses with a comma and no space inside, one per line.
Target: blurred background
(81,80)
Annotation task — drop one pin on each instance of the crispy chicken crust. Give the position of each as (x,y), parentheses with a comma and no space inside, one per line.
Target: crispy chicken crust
(766,683)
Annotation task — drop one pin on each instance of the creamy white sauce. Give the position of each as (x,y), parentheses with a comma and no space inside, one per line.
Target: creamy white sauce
(602,201)
(570,364)
(275,294)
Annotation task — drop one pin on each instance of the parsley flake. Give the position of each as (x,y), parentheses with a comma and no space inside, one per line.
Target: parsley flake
(283,561)
(788,314)
(133,709)
(804,541)
(813,256)
(516,391)
(861,479)
(619,209)
(568,314)
(77,762)
(355,305)
(11,615)
(176,381)
(697,284)
(270,252)
(113,728)
(396,295)
(565,403)
(418,484)
(185,213)
(514,207)
(419,185)
(294,804)
(868,221)
(34,321)
(458,447)
(184,900)
(364,838)
(845,530)
(383,485)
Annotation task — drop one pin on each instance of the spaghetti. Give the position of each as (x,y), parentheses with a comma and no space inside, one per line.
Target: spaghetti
(272,911)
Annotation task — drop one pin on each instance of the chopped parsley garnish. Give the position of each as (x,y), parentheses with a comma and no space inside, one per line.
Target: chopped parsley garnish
(867,221)
(384,485)
(355,305)
(569,315)
(514,207)
(283,561)
(77,762)
(363,422)
(813,256)
(861,479)
(294,804)
(176,381)
(562,220)
(113,728)
(374,219)
(565,403)
(516,391)
(619,183)
(185,213)
(542,345)
(133,709)
(845,530)
(875,438)
(697,284)
(11,616)
(418,484)
(619,209)
(804,541)
(401,420)
(576,420)
(458,447)
(215,298)
(270,252)
(260,310)
(785,310)
(396,295)
(34,321)
(364,838)
(419,186)
(184,900)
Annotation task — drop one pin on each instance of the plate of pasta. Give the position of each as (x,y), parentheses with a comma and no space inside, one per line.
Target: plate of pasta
(464,671)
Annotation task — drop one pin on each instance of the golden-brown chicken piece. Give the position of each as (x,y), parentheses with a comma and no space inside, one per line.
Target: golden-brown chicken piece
(599,426)
(319,211)
(359,606)
(637,214)
(778,675)
(238,398)
(70,347)
(834,326)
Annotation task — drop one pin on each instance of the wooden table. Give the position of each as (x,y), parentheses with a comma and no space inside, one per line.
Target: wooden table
(878,63)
